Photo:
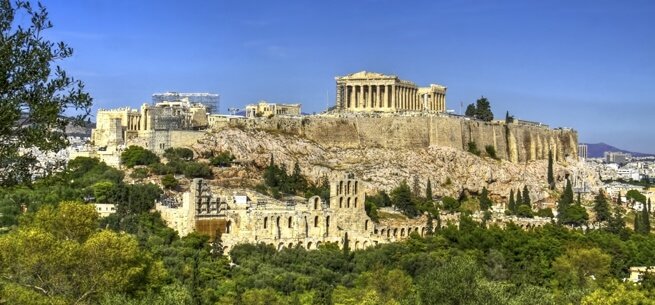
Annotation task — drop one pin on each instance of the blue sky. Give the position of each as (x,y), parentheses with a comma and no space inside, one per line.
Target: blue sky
(589,65)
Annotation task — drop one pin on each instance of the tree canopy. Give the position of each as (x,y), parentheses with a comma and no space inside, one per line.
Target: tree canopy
(481,110)
(38,99)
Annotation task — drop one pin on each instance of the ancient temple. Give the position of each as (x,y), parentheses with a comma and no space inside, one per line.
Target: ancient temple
(375,92)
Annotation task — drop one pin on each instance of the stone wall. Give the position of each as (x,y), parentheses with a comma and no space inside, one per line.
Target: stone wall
(514,142)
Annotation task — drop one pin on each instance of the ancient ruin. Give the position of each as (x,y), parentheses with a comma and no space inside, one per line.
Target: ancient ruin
(267,110)
(308,224)
(375,92)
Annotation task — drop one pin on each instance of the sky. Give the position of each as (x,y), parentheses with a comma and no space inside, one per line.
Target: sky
(589,65)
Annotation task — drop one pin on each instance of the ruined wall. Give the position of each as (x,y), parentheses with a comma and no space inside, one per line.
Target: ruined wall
(514,142)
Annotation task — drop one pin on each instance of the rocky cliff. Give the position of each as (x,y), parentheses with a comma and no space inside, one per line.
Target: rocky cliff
(513,142)
(383,160)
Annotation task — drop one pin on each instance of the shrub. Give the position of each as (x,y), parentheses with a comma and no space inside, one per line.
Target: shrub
(524,211)
(449,203)
(491,151)
(169,182)
(139,173)
(137,155)
(547,212)
(197,170)
(473,148)
(222,159)
(178,153)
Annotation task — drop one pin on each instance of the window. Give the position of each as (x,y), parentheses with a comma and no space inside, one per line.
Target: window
(316,222)
(265,222)
(289,226)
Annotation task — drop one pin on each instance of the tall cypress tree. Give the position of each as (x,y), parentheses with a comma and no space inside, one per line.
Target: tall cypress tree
(601,208)
(526,196)
(618,199)
(637,223)
(511,206)
(428,190)
(645,220)
(519,199)
(565,202)
(551,177)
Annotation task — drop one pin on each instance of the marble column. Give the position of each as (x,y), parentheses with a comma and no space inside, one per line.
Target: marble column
(369,98)
(394,100)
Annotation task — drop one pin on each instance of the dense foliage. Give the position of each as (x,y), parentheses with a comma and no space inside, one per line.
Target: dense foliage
(481,110)
(149,264)
(137,155)
(37,97)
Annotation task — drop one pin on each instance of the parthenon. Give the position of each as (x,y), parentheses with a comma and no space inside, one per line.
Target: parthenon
(375,92)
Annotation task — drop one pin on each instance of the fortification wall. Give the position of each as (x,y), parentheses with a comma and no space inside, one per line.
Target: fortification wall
(514,142)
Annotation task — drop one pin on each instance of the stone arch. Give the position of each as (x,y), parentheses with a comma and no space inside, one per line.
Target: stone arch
(357,245)
(416,229)
(366,225)
(315,221)
(228,227)
(280,246)
(348,188)
(278,230)
(327,223)
(356,187)
(402,232)
(423,231)
(318,244)
(382,232)
(341,202)
(395,232)
(365,244)
(265,222)
(290,221)
(316,203)
(290,246)
(348,202)
(355,202)
(309,245)
(340,190)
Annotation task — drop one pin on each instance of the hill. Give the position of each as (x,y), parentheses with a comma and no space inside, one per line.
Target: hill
(597,150)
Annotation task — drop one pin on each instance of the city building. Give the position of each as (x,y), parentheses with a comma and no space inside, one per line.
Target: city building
(209,100)
(617,157)
(266,109)
(375,92)
(582,152)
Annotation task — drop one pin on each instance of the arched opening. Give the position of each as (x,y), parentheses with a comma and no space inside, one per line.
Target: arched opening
(289,222)
(277,227)
(280,247)
(355,202)
(382,232)
(366,225)
(348,188)
(340,190)
(355,187)
(348,202)
(402,232)
(290,246)
(357,245)
(318,244)
(309,245)
(364,245)
(327,224)
(316,203)
(228,227)
(395,232)
(341,202)
(265,222)
(315,221)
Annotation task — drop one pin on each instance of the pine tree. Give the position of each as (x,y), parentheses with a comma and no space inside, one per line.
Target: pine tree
(428,190)
(526,196)
(551,178)
(511,206)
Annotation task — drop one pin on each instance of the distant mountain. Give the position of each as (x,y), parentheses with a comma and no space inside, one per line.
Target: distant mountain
(597,150)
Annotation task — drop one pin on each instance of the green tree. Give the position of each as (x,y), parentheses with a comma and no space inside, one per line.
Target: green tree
(616,223)
(564,203)
(485,202)
(578,267)
(635,195)
(197,170)
(601,207)
(524,211)
(526,196)
(37,96)
(428,190)
(511,206)
(137,155)
(222,159)
(401,198)
(450,204)
(483,109)
(551,177)
(519,199)
(470,111)
(491,151)
(645,220)
(473,148)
